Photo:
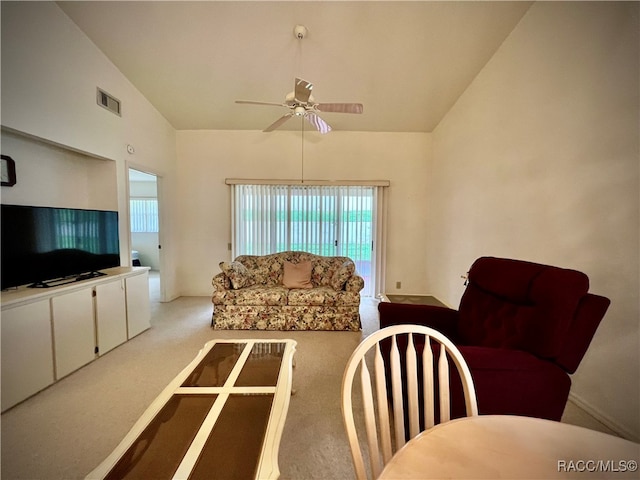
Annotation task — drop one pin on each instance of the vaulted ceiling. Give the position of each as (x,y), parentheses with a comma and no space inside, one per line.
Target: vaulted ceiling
(406,62)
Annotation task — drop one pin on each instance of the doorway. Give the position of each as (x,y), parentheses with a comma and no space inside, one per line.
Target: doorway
(144,227)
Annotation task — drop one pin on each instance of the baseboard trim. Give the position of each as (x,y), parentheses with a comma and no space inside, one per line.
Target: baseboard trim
(604,419)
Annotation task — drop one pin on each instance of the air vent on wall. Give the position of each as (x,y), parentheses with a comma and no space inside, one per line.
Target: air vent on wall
(109,102)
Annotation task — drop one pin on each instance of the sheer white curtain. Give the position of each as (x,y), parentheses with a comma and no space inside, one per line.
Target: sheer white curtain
(321,219)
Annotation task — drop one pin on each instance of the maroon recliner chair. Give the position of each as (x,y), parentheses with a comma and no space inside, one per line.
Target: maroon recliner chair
(522,327)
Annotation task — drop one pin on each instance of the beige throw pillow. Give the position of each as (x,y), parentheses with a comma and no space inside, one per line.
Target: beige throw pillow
(297,275)
(237,273)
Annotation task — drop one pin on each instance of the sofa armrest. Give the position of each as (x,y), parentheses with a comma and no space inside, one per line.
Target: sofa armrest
(443,319)
(355,283)
(221,282)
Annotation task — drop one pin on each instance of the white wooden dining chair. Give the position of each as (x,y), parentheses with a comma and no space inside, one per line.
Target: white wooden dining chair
(403,368)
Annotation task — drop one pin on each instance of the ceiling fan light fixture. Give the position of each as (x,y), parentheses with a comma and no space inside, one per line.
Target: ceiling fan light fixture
(301,103)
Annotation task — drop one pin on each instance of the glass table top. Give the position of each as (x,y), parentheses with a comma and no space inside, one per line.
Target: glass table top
(215,418)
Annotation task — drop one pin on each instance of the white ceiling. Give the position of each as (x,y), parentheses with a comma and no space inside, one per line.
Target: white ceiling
(407,62)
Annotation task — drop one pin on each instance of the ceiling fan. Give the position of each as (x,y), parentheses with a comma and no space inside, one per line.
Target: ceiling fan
(301,103)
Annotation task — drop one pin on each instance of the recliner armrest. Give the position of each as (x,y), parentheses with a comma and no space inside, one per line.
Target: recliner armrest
(443,319)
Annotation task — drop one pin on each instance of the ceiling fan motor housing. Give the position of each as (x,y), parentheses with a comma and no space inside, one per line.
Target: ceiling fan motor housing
(290,99)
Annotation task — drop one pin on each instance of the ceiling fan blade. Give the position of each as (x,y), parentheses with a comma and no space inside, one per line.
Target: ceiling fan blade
(322,126)
(339,107)
(303,90)
(250,102)
(278,122)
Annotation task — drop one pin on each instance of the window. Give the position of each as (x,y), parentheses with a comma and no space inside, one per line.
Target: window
(144,214)
(320,219)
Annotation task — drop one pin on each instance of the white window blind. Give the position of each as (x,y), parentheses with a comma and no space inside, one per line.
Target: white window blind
(320,219)
(144,214)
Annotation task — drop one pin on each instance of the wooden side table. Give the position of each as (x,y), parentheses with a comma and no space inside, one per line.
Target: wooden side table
(412,299)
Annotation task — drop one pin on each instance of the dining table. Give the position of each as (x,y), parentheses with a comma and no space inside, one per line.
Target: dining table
(513,447)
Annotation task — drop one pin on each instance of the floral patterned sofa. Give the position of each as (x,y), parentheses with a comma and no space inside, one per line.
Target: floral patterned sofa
(259,292)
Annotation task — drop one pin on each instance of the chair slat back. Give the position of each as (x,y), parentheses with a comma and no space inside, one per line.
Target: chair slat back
(412,388)
(383,411)
(401,376)
(428,385)
(443,379)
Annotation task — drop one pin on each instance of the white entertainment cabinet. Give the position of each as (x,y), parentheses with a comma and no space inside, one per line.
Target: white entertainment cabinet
(47,333)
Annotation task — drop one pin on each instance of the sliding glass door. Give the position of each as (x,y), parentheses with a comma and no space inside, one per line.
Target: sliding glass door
(320,219)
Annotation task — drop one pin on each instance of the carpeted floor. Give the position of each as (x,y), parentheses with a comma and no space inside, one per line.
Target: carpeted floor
(68,429)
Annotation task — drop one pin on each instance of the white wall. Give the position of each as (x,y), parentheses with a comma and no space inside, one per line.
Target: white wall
(539,160)
(50,176)
(206,158)
(50,72)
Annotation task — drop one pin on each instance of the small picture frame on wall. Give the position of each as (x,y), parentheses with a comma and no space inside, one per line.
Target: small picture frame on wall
(8,171)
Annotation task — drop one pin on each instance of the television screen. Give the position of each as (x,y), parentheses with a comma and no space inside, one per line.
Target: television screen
(44,243)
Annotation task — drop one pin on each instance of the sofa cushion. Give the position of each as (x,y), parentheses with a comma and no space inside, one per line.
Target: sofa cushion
(323,296)
(237,273)
(266,269)
(342,274)
(297,275)
(513,382)
(254,295)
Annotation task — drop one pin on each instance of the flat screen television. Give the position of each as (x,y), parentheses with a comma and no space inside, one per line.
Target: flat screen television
(45,246)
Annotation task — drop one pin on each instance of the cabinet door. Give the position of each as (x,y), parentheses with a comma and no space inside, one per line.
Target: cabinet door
(27,356)
(73,330)
(111,315)
(138,306)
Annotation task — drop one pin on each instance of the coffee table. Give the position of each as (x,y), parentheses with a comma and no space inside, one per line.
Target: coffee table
(221,417)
